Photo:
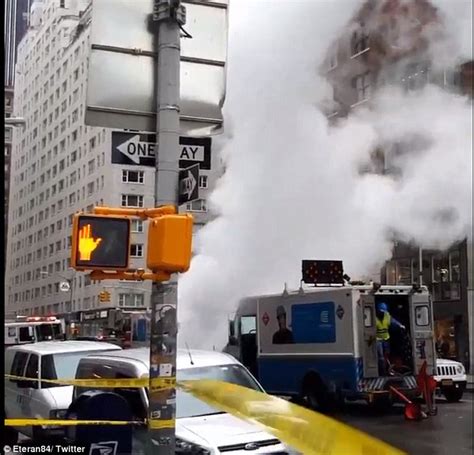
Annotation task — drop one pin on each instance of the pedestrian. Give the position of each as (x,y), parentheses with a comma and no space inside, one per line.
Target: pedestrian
(384,323)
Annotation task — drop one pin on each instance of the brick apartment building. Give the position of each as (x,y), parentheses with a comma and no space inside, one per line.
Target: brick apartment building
(386,43)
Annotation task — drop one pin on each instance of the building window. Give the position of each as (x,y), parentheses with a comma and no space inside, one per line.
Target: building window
(136,250)
(362,84)
(137,225)
(197,206)
(91,165)
(332,58)
(454,267)
(359,42)
(131,300)
(203,181)
(441,268)
(416,76)
(129,176)
(132,200)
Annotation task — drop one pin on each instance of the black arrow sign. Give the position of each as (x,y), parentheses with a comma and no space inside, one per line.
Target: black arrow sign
(139,150)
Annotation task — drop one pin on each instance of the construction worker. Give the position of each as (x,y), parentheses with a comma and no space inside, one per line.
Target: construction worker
(384,323)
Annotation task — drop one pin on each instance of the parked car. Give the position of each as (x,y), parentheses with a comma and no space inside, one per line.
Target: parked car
(199,426)
(451,379)
(39,399)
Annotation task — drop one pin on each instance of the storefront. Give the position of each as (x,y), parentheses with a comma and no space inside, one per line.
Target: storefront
(446,274)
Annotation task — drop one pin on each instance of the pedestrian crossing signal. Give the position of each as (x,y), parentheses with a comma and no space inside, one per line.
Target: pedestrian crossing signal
(100,242)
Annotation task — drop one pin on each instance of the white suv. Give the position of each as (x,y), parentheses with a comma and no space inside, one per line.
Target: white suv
(451,379)
(36,398)
(199,427)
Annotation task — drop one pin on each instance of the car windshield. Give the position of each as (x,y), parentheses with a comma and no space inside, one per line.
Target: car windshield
(60,366)
(46,332)
(188,406)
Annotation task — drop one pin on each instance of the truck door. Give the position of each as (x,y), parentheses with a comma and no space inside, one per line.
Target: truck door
(248,342)
(422,331)
(369,348)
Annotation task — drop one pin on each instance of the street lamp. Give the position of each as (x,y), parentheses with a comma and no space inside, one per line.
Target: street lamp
(15,121)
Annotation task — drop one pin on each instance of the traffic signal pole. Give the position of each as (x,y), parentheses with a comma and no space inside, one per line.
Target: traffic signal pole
(168,16)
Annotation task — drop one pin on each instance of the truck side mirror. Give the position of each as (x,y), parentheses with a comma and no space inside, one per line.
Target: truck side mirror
(233,341)
(231,330)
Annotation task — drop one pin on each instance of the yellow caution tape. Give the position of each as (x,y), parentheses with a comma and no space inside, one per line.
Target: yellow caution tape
(67,423)
(306,431)
(132,383)
(156,424)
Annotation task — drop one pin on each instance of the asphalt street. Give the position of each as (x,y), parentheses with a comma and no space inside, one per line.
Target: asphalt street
(450,432)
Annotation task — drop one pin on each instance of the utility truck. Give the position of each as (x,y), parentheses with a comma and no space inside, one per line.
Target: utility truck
(319,342)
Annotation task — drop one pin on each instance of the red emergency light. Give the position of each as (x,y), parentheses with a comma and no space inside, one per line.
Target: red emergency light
(40,318)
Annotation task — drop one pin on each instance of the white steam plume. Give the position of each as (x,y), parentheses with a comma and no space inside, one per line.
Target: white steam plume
(292,188)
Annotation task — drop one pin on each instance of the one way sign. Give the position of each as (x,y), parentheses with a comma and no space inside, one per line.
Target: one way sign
(188,184)
(139,150)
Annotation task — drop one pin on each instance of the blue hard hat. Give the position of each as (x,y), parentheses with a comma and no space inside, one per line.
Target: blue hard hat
(382,307)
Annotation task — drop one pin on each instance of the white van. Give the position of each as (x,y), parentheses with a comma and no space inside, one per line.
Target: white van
(199,427)
(24,330)
(39,399)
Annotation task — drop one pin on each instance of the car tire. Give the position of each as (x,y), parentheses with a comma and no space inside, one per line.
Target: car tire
(453,395)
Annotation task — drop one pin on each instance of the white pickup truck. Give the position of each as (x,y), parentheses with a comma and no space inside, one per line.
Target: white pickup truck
(451,379)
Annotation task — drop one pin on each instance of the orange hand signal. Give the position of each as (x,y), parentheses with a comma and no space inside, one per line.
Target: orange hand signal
(87,244)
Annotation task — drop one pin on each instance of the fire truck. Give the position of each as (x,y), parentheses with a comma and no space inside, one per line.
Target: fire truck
(23,330)
(126,328)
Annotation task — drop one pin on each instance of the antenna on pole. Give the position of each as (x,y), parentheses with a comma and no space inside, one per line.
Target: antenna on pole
(285,290)
(301,290)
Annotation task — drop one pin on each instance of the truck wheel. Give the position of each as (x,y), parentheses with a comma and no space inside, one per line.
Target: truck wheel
(453,395)
(316,394)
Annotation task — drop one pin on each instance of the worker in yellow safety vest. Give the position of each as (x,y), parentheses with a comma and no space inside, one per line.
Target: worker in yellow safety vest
(384,322)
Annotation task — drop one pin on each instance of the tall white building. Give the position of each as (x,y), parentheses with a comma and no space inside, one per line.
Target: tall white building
(59,166)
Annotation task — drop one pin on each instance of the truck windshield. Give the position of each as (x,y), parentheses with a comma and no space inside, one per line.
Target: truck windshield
(188,406)
(46,332)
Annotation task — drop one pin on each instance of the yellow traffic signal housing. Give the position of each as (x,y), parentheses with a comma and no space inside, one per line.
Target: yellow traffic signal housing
(100,242)
(104,296)
(170,243)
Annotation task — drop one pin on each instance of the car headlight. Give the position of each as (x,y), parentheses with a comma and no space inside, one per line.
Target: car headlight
(58,414)
(189,448)
(460,369)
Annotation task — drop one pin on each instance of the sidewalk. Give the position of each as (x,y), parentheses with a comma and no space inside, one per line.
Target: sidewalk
(470,383)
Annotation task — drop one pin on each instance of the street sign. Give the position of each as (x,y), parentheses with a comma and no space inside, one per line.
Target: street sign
(189,184)
(121,75)
(139,150)
(64,286)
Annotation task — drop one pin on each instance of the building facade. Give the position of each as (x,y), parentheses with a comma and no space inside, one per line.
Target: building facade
(7,154)
(59,167)
(15,27)
(386,43)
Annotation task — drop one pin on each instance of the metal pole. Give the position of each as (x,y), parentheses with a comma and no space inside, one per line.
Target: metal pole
(420,266)
(168,15)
